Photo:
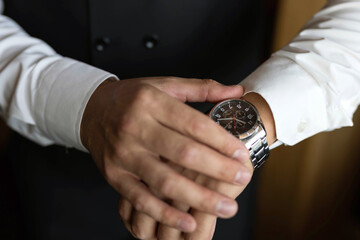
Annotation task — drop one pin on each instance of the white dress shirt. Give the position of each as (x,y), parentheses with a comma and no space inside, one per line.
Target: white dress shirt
(311,85)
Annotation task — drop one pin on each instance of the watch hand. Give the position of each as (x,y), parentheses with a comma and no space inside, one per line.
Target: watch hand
(220,119)
(243,122)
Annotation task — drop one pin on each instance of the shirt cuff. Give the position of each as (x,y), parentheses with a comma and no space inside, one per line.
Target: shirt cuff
(67,87)
(296,100)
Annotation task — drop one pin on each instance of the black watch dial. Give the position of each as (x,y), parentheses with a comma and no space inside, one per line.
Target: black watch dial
(235,115)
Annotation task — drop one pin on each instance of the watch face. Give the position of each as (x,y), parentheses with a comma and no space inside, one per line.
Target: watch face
(235,115)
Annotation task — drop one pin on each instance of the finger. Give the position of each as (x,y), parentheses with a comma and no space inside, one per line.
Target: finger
(143,226)
(165,232)
(206,226)
(193,155)
(197,90)
(126,212)
(148,228)
(144,201)
(172,185)
(125,209)
(229,190)
(199,127)
(206,223)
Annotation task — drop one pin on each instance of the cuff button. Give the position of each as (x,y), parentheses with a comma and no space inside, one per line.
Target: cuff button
(302,126)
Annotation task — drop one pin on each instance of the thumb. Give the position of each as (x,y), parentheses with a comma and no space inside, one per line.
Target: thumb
(199,90)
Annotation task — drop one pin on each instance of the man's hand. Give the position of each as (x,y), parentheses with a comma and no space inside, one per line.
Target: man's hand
(145,227)
(148,228)
(129,126)
(206,222)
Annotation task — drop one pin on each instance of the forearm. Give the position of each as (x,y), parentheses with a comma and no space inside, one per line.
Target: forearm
(265,114)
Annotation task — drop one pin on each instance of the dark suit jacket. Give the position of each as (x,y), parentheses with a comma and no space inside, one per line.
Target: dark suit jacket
(60,193)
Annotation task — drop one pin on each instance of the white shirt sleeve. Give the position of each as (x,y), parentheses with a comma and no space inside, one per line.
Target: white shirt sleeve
(313,83)
(42,94)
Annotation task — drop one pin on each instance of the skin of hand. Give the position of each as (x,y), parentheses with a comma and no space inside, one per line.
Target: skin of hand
(130,126)
(144,227)
(205,222)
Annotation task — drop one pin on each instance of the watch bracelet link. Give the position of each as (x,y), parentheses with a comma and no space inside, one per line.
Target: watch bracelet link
(259,152)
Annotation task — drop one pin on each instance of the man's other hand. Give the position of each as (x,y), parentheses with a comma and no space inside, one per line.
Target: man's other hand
(131,126)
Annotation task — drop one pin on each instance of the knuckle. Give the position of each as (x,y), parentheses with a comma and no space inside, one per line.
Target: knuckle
(187,154)
(139,202)
(206,84)
(120,158)
(197,127)
(166,186)
(143,95)
(209,81)
(121,153)
(208,200)
(166,215)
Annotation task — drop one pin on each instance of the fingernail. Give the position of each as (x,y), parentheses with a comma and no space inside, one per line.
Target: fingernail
(226,208)
(240,155)
(242,178)
(186,225)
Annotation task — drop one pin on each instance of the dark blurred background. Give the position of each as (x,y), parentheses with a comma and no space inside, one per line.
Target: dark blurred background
(309,191)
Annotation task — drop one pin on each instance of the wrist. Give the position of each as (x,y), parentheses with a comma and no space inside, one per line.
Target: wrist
(265,113)
(91,111)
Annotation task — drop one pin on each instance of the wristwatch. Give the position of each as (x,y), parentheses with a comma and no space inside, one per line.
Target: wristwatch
(241,119)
